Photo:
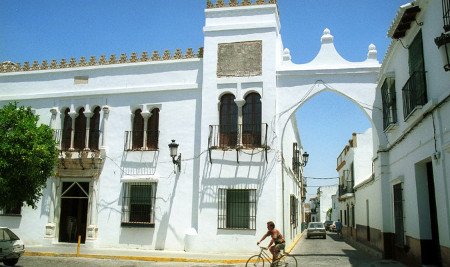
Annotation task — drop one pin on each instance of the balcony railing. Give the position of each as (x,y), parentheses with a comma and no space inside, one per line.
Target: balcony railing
(239,136)
(63,139)
(346,188)
(414,92)
(446,14)
(134,140)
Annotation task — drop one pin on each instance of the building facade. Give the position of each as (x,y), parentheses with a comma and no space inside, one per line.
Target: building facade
(116,184)
(412,160)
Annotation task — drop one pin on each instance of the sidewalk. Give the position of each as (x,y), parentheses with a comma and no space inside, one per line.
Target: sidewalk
(69,250)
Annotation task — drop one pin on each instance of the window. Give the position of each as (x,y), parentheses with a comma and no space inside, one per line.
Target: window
(415,90)
(139,204)
(228,121)
(94,129)
(251,117)
(80,130)
(294,211)
(295,160)
(398,215)
(11,210)
(237,209)
(389,102)
(152,131)
(67,131)
(138,130)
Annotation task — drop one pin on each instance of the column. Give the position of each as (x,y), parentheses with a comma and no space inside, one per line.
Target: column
(88,114)
(240,103)
(73,114)
(145,114)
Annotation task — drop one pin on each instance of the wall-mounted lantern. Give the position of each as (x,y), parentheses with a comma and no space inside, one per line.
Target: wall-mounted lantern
(305,158)
(443,44)
(173,153)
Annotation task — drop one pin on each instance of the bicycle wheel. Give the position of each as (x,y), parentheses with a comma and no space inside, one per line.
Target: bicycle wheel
(255,261)
(290,261)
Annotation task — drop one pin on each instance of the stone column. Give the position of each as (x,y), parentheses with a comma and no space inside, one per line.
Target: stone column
(88,114)
(105,120)
(239,103)
(73,114)
(145,114)
(52,125)
(92,228)
(50,227)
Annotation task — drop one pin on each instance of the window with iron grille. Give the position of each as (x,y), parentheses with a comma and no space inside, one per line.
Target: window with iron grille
(145,131)
(11,210)
(139,204)
(415,89)
(295,159)
(80,131)
(398,215)
(294,211)
(389,102)
(237,209)
(67,131)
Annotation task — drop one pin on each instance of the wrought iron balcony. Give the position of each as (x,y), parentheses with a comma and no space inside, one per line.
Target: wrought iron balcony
(63,139)
(238,136)
(134,140)
(346,190)
(414,92)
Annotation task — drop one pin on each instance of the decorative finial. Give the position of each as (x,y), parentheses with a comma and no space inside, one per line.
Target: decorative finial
(246,3)
(220,3)
(372,53)
(209,4)
(189,53)
(326,37)
(233,3)
(286,55)
(166,55)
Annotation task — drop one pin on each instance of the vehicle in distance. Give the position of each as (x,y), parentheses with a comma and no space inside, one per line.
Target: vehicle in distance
(316,229)
(327,225)
(11,247)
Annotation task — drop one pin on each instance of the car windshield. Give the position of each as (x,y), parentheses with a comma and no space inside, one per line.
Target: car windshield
(316,225)
(7,235)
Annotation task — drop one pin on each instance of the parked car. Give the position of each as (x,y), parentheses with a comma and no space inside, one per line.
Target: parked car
(316,229)
(11,247)
(327,225)
(333,227)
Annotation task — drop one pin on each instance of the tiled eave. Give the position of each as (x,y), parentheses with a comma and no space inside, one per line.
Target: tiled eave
(406,15)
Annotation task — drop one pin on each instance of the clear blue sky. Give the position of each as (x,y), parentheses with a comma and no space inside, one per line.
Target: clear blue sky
(55,29)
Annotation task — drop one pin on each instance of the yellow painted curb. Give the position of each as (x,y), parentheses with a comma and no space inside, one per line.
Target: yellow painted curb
(136,258)
(294,243)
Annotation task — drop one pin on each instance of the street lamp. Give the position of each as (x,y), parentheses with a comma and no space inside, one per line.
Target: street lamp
(305,157)
(173,147)
(443,44)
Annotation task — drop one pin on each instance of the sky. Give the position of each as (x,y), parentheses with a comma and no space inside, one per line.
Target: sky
(55,29)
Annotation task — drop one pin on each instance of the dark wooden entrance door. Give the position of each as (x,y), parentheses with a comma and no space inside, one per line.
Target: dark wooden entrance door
(74,209)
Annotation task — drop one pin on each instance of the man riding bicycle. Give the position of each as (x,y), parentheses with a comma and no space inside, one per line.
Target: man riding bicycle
(277,238)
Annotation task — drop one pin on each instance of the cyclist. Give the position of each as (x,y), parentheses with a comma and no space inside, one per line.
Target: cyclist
(277,238)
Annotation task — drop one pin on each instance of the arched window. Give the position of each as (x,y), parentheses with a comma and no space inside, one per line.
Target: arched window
(94,129)
(153,130)
(138,130)
(66,131)
(251,118)
(80,130)
(228,121)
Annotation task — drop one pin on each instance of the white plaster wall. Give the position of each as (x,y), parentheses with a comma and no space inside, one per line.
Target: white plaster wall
(408,150)
(326,202)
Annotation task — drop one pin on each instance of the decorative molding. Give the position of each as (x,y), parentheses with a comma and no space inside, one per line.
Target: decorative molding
(9,66)
(235,3)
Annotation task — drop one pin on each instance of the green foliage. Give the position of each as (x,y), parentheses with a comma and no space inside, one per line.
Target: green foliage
(28,156)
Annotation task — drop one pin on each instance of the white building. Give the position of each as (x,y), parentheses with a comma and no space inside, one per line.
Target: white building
(354,166)
(325,194)
(412,160)
(116,184)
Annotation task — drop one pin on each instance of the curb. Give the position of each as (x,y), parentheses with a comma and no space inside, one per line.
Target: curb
(152,258)
(135,258)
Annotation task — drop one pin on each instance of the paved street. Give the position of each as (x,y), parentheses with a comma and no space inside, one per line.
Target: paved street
(331,251)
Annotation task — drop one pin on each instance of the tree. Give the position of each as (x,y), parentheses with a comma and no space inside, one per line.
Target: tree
(28,156)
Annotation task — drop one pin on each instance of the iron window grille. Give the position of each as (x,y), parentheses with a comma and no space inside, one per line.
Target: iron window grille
(139,204)
(134,140)
(389,102)
(414,93)
(294,211)
(237,209)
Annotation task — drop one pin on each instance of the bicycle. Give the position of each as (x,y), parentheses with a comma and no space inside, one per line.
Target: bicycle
(284,259)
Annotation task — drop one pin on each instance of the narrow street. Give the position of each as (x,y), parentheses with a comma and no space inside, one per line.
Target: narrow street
(332,251)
